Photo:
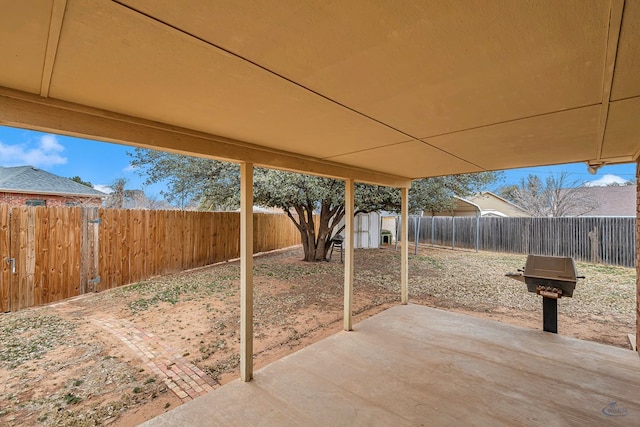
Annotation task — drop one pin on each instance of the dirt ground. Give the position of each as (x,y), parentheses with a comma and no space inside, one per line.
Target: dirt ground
(121,357)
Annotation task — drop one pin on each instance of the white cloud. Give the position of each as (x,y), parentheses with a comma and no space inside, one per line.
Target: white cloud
(607,179)
(130,168)
(104,188)
(48,143)
(46,152)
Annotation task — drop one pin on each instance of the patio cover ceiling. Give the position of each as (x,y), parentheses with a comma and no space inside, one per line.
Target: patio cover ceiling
(383,91)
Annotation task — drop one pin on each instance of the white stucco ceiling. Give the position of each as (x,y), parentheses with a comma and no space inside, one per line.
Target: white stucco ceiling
(402,89)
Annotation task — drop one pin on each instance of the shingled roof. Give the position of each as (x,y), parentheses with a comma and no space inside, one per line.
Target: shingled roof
(27,179)
(610,200)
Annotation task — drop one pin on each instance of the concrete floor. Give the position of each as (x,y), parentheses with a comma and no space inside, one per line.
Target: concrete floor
(414,366)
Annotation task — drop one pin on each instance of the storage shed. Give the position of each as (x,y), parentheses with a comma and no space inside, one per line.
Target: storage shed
(366,233)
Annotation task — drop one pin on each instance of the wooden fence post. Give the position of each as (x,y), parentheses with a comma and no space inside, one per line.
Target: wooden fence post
(595,244)
(84,249)
(5,260)
(16,255)
(32,288)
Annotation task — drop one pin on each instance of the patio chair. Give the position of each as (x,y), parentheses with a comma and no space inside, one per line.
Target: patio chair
(336,242)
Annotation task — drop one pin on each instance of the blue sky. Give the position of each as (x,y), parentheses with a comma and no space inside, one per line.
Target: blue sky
(102,163)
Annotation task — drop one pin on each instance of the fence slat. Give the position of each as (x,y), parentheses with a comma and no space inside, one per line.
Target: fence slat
(5,267)
(608,240)
(58,250)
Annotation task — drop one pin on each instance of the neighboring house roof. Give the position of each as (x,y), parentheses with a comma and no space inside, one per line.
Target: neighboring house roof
(492,203)
(485,203)
(30,180)
(610,200)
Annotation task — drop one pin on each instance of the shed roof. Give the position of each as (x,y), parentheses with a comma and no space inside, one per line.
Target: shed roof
(27,179)
(377,91)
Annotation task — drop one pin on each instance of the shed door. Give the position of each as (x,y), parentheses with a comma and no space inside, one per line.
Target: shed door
(362,231)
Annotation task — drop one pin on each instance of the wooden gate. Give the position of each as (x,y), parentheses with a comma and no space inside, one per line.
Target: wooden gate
(17,251)
(46,254)
(7,262)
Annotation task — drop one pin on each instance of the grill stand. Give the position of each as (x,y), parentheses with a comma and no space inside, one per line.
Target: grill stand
(550,315)
(552,278)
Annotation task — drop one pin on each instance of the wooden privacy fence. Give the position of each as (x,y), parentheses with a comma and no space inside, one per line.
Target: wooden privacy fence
(607,240)
(51,253)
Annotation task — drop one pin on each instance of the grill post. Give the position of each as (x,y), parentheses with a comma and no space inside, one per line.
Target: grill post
(550,315)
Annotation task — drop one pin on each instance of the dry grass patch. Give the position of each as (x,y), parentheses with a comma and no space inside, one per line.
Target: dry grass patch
(59,367)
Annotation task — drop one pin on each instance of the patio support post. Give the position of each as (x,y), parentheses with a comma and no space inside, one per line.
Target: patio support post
(246,271)
(348,254)
(404,254)
(638,260)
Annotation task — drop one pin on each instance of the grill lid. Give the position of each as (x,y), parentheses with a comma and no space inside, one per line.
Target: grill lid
(550,268)
(549,276)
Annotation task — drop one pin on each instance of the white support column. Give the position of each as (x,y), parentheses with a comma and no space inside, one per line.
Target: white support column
(404,254)
(638,260)
(246,271)
(348,254)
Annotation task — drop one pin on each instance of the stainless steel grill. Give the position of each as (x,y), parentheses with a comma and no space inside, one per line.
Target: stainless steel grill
(549,276)
(552,278)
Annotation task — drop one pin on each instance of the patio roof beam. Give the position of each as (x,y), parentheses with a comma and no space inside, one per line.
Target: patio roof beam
(246,271)
(27,111)
(613,39)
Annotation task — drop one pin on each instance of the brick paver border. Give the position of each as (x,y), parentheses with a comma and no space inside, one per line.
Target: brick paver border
(182,377)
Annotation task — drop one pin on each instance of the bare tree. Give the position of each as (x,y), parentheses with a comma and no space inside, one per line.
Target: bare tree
(122,198)
(556,196)
(137,199)
(116,198)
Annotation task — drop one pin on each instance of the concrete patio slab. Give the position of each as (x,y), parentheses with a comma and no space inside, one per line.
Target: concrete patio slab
(413,365)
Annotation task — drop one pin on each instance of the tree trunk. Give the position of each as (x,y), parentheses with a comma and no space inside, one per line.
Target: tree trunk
(316,246)
(314,249)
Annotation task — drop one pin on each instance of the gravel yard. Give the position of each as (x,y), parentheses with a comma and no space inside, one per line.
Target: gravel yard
(103,359)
